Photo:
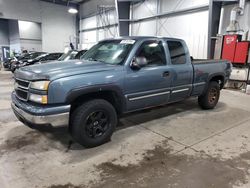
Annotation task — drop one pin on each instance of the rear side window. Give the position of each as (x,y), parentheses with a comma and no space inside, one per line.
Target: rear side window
(177,52)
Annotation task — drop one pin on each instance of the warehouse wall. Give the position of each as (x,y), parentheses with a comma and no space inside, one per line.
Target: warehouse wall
(88,38)
(57,24)
(57,27)
(93,17)
(30,36)
(89,8)
(4,33)
(23,35)
(28,10)
(244,21)
(192,27)
(14,36)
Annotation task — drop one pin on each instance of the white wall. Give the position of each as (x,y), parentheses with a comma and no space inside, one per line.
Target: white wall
(192,27)
(57,24)
(57,27)
(91,7)
(30,30)
(89,38)
(244,21)
(171,5)
(28,10)
(30,36)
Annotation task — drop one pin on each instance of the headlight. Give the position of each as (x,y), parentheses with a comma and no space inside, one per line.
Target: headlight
(43,99)
(40,85)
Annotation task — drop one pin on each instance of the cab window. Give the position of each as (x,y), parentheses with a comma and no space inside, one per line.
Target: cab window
(153,53)
(177,52)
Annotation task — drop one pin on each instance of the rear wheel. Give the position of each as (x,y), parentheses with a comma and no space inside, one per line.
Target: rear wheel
(209,99)
(93,123)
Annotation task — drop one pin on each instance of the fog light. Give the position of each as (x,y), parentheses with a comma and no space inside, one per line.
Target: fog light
(42,99)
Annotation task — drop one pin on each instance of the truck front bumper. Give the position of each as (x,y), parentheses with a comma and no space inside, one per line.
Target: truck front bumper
(40,115)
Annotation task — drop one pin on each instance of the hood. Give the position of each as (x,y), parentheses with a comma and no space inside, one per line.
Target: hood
(57,69)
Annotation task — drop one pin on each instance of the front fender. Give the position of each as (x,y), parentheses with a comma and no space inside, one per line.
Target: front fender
(75,93)
(67,89)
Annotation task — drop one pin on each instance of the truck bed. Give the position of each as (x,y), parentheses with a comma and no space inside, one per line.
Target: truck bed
(203,70)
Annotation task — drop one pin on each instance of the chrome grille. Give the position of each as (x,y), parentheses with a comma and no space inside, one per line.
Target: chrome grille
(23,83)
(21,89)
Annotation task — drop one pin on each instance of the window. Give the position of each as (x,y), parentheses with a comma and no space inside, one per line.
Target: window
(68,56)
(110,51)
(177,52)
(153,52)
(80,53)
(53,56)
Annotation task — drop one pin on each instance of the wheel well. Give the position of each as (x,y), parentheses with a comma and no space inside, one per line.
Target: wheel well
(219,79)
(110,96)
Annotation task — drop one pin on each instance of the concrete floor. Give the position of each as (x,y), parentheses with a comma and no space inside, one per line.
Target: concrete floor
(175,146)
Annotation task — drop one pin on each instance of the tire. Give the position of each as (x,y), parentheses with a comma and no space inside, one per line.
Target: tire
(93,123)
(211,97)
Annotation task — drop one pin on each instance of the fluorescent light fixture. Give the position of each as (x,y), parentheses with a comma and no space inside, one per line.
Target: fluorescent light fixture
(73,10)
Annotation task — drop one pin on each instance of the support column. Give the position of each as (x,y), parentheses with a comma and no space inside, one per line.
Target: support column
(123,12)
(78,27)
(213,25)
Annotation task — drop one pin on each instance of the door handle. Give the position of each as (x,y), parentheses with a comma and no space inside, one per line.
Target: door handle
(166,74)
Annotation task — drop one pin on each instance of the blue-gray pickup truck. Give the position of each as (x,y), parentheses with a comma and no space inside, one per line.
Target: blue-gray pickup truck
(114,77)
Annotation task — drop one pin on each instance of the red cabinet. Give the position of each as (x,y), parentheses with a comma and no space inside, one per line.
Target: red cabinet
(234,49)
(241,52)
(229,46)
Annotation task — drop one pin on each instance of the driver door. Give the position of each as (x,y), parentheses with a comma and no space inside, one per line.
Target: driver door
(149,85)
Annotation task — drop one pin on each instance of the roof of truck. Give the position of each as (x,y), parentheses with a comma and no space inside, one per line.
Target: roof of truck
(143,37)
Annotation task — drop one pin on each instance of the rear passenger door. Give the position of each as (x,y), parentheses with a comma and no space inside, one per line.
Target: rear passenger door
(182,70)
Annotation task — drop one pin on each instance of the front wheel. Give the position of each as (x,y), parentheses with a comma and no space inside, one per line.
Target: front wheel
(211,97)
(93,123)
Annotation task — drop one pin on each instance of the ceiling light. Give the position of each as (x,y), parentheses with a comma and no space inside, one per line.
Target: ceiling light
(72,11)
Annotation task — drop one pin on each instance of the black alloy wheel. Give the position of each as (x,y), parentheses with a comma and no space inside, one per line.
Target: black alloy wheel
(97,123)
(93,122)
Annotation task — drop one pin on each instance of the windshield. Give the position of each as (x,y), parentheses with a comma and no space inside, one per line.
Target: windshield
(67,56)
(111,51)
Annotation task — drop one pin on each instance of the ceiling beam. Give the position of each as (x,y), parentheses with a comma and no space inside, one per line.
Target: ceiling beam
(61,2)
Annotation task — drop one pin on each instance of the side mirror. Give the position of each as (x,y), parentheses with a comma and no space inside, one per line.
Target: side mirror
(138,62)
